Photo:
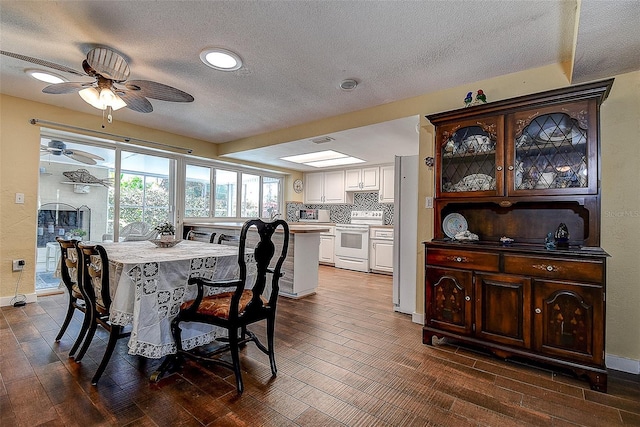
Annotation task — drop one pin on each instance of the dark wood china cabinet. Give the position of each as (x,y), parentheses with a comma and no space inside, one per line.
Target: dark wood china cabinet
(510,172)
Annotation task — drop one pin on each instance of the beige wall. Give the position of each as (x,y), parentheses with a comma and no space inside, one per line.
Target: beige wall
(620,156)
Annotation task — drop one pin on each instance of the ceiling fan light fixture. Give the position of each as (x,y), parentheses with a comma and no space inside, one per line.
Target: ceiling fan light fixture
(45,76)
(221,59)
(102,99)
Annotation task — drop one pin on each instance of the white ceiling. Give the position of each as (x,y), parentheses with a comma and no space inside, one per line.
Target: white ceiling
(296,53)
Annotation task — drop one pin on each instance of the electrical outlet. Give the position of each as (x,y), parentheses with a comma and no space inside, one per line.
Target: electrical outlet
(18,264)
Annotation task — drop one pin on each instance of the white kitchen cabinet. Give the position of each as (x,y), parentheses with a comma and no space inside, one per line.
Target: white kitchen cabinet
(363,179)
(387,176)
(324,187)
(381,250)
(327,242)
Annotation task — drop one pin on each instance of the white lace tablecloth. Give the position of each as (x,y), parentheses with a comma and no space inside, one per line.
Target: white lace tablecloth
(148,284)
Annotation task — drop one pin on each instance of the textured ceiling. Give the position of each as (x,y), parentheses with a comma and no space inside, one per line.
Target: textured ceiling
(296,53)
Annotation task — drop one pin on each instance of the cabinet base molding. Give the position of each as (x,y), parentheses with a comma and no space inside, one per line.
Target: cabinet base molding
(596,376)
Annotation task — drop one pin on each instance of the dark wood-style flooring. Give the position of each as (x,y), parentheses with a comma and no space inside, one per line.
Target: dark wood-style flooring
(344,359)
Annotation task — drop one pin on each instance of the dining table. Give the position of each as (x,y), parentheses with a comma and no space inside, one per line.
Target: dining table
(148,283)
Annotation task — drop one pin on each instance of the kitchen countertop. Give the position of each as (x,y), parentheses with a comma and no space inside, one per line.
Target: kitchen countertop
(293,227)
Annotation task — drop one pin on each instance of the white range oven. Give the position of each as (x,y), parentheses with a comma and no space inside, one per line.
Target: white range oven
(352,240)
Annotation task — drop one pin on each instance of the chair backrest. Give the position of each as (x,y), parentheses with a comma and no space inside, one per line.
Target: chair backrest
(137,230)
(68,261)
(201,236)
(95,274)
(229,239)
(263,253)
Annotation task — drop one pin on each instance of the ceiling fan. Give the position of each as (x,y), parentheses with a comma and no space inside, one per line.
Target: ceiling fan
(111,89)
(59,148)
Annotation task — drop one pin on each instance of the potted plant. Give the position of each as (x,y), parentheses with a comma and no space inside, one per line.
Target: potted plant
(77,233)
(166,231)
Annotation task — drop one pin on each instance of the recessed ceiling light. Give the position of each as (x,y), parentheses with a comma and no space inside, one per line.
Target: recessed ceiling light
(45,76)
(323,159)
(335,162)
(348,84)
(314,157)
(221,59)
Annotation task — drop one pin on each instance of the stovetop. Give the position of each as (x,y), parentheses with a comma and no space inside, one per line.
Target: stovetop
(367,217)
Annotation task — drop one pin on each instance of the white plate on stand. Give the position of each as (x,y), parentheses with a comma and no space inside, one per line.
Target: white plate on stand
(453,224)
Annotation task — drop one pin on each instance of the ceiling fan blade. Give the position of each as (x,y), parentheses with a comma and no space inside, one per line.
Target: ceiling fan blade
(82,153)
(46,149)
(80,158)
(66,87)
(42,63)
(135,101)
(158,91)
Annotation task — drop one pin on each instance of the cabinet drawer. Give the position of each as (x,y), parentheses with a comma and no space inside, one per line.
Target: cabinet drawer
(554,268)
(471,260)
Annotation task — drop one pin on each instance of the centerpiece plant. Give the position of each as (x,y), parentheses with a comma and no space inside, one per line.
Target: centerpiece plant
(166,230)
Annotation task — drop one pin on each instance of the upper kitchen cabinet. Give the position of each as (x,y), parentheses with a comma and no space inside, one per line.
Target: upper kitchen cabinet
(387,183)
(324,187)
(535,145)
(364,179)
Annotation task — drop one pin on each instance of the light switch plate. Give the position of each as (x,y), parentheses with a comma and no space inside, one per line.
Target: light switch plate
(428,202)
(19,197)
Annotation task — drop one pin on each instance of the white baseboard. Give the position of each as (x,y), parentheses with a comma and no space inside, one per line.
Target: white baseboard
(622,364)
(417,318)
(7,301)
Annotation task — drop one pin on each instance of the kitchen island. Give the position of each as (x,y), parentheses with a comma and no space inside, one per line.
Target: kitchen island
(301,265)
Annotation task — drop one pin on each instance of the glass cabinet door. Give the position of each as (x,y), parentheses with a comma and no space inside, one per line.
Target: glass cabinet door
(471,158)
(552,152)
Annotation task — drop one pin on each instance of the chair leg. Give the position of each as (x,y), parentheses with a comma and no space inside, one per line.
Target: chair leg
(87,340)
(235,357)
(86,323)
(271,323)
(67,318)
(114,334)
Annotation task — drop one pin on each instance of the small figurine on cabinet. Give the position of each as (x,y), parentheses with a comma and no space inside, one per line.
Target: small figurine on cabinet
(549,243)
(562,236)
(468,99)
(481,98)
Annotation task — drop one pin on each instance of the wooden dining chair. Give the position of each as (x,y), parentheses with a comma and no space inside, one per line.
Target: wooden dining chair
(234,310)
(68,272)
(95,282)
(201,236)
(228,239)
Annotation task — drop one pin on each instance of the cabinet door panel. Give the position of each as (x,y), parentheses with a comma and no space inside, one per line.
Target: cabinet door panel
(449,300)
(552,150)
(470,155)
(334,187)
(503,309)
(569,320)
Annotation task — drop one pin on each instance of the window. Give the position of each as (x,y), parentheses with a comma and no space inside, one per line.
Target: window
(270,197)
(197,192)
(250,199)
(145,189)
(226,193)
(234,194)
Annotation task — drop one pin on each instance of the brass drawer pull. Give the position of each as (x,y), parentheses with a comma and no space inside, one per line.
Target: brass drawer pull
(538,311)
(546,267)
(457,259)
(467,298)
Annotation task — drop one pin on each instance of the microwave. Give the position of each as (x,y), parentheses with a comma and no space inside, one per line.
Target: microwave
(314,215)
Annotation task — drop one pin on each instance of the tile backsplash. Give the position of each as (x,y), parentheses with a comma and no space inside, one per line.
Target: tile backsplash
(341,214)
